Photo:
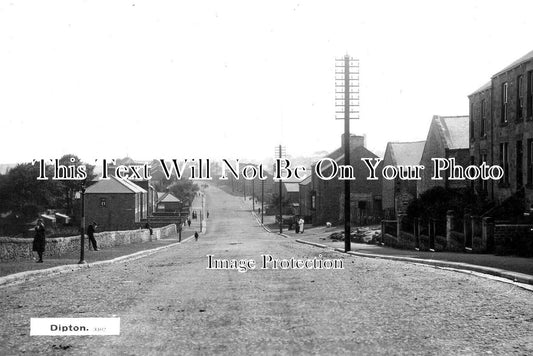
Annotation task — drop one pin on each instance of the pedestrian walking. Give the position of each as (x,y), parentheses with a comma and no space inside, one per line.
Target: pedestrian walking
(39,241)
(147,226)
(189,222)
(90,232)
(301,224)
(296,225)
(196,235)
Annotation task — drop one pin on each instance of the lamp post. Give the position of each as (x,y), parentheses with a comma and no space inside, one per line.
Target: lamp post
(82,227)
(262,198)
(253,195)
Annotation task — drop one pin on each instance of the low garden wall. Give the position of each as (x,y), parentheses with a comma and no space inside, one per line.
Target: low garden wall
(13,249)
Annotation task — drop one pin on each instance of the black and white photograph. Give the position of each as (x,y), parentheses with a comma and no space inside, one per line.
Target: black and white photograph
(266,177)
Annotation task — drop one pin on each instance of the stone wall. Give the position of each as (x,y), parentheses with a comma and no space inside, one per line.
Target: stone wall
(513,239)
(13,249)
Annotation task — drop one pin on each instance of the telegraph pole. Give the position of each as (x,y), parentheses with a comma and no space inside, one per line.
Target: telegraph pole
(262,198)
(280,153)
(346,102)
(253,195)
(82,227)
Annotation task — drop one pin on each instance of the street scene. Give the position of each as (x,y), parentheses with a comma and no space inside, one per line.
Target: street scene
(271,178)
(170,303)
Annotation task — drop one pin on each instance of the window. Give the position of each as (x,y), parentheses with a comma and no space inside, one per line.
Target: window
(103,203)
(472,162)
(529,94)
(520,98)
(471,120)
(519,157)
(483,118)
(484,182)
(530,161)
(504,162)
(505,102)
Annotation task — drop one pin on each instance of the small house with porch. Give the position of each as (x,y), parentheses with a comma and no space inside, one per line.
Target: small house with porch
(116,204)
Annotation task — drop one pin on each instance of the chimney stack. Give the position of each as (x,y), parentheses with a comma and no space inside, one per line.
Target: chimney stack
(355,141)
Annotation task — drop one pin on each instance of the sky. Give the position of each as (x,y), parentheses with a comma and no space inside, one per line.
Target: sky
(233,79)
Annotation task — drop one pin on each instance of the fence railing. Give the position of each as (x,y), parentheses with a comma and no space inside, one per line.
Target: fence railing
(457,232)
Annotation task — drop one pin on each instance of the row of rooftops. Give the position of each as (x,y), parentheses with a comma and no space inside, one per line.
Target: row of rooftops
(116,185)
(525,58)
(454,131)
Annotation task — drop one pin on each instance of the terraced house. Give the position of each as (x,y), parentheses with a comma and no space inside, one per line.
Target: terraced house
(327,196)
(501,130)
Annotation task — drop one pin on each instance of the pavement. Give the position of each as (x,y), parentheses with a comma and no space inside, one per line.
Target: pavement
(16,271)
(171,303)
(518,269)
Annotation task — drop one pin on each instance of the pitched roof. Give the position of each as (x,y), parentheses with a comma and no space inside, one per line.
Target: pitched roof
(485,86)
(406,153)
(527,57)
(292,187)
(168,198)
(355,154)
(454,130)
(516,63)
(114,185)
(306,180)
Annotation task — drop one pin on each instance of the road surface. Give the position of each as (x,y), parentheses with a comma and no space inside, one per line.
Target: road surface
(170,303)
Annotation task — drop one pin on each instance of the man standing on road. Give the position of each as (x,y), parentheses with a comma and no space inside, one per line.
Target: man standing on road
(196,235)
(90,232)
(39,241)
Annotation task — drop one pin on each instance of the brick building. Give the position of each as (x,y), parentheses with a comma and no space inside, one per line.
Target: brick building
(168,203)
(327,196)
(447,138)
(306,199)
(501,130)
(115,204)
(397,193)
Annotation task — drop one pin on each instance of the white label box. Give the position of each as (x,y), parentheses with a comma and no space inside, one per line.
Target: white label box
(74,326)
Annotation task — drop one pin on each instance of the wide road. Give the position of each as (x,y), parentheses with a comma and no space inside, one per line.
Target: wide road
(170,303)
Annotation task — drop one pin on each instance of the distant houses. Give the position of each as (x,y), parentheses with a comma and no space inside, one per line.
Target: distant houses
(116,204)
(325,198)
(447,138)
(307,199)
(168,203)
(290,191)
(398,193)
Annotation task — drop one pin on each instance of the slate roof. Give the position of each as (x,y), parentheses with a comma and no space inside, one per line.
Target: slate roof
(454,130)
(355,154)
(527,57)
(485,86)
(114,185)
(306,180)
(168,198)
(516,63)
(292,187)
(406,153)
